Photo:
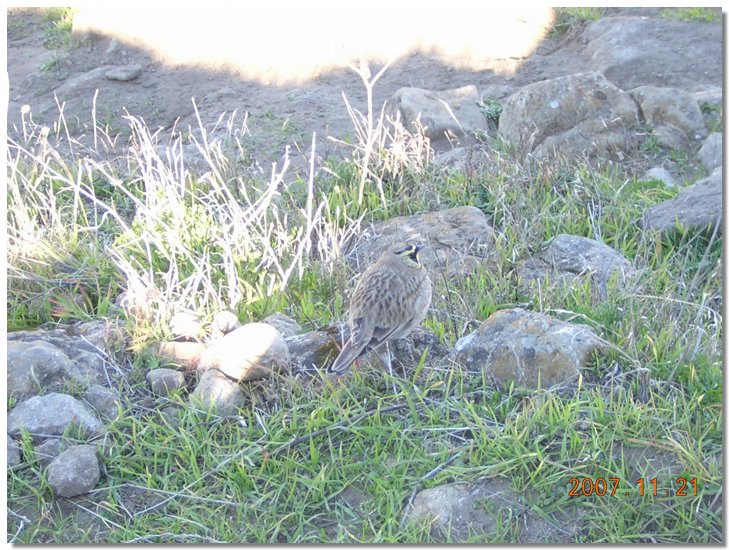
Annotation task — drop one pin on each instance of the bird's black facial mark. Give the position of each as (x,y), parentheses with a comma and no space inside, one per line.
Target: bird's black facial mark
(410,251)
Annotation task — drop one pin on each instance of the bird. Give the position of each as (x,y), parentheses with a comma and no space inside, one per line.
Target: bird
(391,298)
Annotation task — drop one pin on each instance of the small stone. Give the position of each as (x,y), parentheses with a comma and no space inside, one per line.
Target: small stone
(125,73)
(284,324)
(75,471)
(224,322)
(251,352)
(13,452)
(711,153)
(163,381)
(107,402)
(313,350)
(186,354)
(660,174)
(48,450)
(215,390)
(185,324)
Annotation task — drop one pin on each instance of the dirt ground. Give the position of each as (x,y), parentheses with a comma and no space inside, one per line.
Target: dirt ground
(278,114)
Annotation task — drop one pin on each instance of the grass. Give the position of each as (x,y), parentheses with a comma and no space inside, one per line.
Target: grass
(83,228)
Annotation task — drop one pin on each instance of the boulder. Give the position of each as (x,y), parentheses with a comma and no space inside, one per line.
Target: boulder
(672,115)
(711,153)
(457,240)
(530,349)
(634,51)
(442,115)
(569,258)
(580,114)
(697,206)
(106,401)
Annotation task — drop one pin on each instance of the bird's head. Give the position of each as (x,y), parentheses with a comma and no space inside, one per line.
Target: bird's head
(407,253)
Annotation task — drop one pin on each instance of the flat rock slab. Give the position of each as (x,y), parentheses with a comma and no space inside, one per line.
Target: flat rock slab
(530,349)
(697,206)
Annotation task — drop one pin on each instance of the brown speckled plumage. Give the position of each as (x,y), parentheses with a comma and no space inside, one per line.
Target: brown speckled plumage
(391,298)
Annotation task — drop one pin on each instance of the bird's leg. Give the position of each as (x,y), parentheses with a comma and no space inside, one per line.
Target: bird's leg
(389,365)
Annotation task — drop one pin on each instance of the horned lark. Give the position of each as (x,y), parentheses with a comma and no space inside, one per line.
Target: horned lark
(391,299)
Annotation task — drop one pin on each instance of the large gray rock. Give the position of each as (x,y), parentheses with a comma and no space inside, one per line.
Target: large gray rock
(711,153)
(481,511)
(251,352)
(50,415)
(75,471)
(697,206)
(450,113)
(530,349)
(569,258)
(658,51)
(36,366)
(216,391)
(457,240)
(572,115)
(673,115)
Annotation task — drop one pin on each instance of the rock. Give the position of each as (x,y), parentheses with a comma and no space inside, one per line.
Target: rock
(185,324)
(215,390)
(125,73)
(163,381)
(450,113)
(711,153)
(458,512)
(13,452)
(186,354)
(37,366)
(102,336)
(251,352)
(463,159)
(673,115)
(88,79)
(657,51)
(284,324)
(48,450)
(660,174)
(530,349)
(224,322)
(697,206)
(51,414)
(406,352)
(106,401)
(572,115)
(569,258)
(456,240)
(313,350)
(75,471)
